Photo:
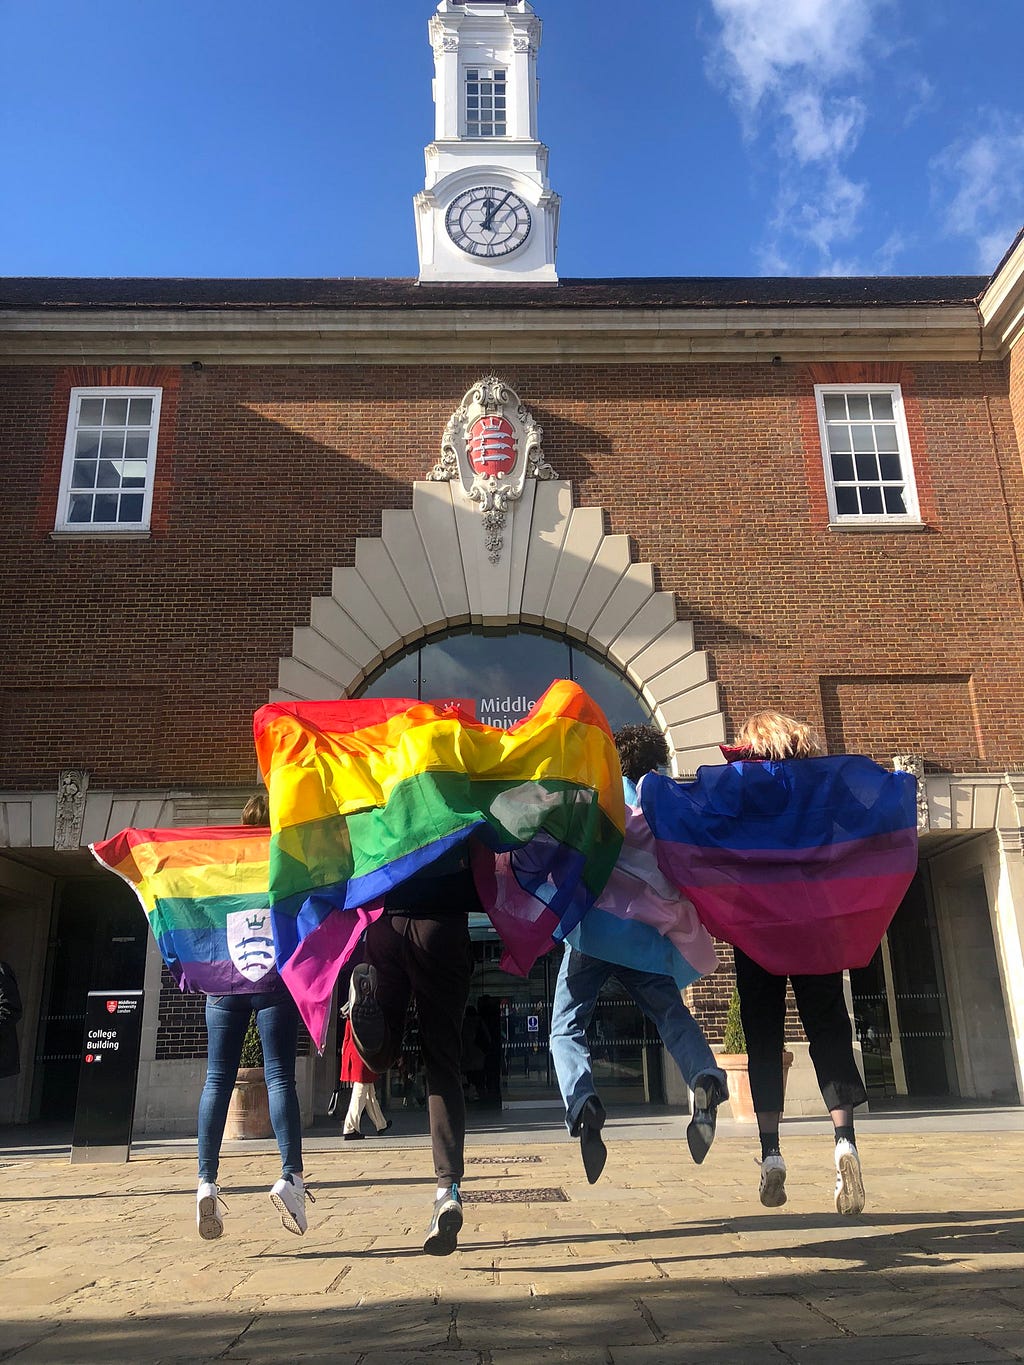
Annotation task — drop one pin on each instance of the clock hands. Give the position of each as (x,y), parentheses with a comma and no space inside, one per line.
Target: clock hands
(491,210)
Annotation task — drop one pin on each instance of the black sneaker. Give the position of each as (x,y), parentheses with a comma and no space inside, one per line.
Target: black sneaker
(708,1094)
(445,1225)
(369,1030)
(592,1149)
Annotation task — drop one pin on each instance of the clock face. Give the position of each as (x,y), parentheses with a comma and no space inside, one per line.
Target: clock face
(488,221)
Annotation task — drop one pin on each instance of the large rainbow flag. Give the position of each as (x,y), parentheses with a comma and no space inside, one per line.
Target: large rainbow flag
(800,863)
(364,794)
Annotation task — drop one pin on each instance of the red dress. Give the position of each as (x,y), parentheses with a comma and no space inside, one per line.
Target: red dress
(353,1068)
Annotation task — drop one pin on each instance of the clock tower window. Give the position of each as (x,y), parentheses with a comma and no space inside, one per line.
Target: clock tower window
(485,102)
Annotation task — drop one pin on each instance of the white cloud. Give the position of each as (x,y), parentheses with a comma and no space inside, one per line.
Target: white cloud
(978,181)
(820,130)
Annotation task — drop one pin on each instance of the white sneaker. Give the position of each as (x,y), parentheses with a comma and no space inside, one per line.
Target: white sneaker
(289,1198)
(773,1181)
(849,1181)
(209,1219)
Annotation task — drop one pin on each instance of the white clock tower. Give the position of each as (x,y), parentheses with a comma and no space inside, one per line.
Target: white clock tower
(486,211)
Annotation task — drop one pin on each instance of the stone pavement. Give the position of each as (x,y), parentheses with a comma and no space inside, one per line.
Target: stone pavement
(661,1261)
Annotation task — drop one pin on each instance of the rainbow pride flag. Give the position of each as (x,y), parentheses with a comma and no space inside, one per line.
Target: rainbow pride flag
(363,794)
(801,863)
(205,895)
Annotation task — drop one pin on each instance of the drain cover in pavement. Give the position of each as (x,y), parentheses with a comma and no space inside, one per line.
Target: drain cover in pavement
(499,1160)
(549,1196)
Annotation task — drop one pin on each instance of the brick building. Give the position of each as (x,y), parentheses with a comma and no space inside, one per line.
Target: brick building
(800,493)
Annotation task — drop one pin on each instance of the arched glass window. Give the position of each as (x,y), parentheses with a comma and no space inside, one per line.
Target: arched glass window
(504,672)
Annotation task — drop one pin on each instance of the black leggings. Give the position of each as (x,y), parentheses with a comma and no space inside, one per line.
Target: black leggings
(822,1008)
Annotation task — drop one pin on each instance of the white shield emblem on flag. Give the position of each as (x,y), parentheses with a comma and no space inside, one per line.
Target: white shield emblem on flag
(250,942)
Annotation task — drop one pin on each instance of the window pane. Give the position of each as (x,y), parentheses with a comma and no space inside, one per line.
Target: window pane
(871,501)
(90,412)
(133,474)
(842,468)
(116,412)
(87,445)
(84,475)
(109,474)
(890,466)
(81,508)
(839,438)
(867,467)
(894,501)
(131,507)
(863,438)
(846,502)
(105,507)
(885,436)
(835,405)
(140,412)
(112,445)
(881,406)
(136,446)
(860,404)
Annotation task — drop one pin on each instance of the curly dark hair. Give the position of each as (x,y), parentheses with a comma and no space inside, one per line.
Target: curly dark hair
(641,748)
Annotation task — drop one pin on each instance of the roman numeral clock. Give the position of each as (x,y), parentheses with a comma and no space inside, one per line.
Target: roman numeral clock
(486,211)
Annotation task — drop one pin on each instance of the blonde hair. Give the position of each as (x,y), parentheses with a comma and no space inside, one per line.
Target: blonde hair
(256,810)
(770,734)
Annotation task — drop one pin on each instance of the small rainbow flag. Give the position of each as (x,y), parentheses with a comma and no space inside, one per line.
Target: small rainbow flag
(363,794)
(205,895)
(800,863)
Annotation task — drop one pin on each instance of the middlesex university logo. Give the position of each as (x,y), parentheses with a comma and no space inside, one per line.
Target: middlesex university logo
(111,1006)
(492,445)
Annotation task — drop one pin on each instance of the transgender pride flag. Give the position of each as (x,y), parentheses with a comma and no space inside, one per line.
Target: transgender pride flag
(800,863)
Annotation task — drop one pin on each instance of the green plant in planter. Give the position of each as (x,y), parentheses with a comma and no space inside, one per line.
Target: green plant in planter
(734,1040)
(252,1048)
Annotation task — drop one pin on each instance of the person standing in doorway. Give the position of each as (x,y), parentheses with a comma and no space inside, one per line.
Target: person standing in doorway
(356,1073)
(10,1014)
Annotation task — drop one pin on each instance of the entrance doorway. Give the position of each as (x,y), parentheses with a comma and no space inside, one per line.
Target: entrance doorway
(97,942)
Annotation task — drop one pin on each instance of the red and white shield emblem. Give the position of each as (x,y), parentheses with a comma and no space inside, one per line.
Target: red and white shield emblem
(111,1006)
(492,445)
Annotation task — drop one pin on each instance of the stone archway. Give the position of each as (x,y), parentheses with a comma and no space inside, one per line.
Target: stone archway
(430,570)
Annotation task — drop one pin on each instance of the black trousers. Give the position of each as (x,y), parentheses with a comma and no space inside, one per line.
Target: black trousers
(822,1008)
(428,958)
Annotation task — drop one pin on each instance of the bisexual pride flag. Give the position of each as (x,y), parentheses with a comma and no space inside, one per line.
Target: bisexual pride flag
(205,894)
(364,794)
(800,863)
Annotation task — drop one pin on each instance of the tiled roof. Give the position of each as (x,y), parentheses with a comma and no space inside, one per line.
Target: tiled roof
(667,292)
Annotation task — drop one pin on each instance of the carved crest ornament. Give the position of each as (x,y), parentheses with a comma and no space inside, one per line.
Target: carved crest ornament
(492,445)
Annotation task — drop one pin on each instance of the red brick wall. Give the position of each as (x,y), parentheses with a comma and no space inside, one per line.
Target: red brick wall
(142,661)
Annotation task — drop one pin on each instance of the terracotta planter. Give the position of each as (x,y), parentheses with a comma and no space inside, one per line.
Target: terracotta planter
(249,1110)
(734,1064)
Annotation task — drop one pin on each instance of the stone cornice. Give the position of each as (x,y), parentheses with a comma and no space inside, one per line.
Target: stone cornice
(1002,304)
(408,335)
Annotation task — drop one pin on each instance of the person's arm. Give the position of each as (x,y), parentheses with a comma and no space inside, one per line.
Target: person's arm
(10,1000)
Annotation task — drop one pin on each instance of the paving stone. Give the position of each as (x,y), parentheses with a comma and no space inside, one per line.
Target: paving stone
(927,1349)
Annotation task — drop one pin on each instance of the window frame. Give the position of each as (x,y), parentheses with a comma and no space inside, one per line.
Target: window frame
(490,75)
(849,520)
(62,524)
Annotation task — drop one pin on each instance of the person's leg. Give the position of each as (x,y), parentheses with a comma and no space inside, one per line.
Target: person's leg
(374,1110)
(660,999)
(277,1018)
(577,988)
(227,1017)
(356,1105)
(386,1006)
(763,1015)
(821,1003)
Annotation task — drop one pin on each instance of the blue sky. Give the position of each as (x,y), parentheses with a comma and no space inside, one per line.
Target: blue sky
(688,137)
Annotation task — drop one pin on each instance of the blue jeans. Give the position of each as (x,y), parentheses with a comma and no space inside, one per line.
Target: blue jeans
(580,979)
(227,1017)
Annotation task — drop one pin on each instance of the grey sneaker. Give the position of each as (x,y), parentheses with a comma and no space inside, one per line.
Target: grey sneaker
(708,1093)
(773,1181)
(445,1225)
(289,1197)
(369,1029)
(209,1219)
